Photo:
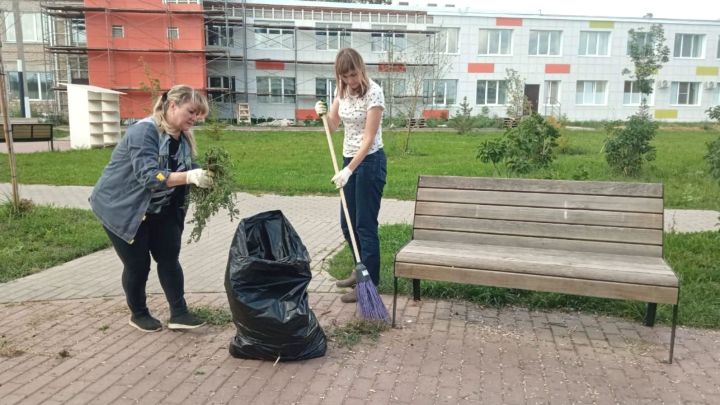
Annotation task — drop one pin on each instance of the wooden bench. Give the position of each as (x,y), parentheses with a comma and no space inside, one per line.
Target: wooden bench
(598,239)
(30,133)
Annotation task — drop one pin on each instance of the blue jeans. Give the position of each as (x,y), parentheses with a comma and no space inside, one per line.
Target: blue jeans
(363,193)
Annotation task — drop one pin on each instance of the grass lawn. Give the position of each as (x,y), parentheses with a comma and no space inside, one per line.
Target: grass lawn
(44,237)
(299,163)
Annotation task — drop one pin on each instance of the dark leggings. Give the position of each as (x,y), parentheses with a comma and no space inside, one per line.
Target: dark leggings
(160,236)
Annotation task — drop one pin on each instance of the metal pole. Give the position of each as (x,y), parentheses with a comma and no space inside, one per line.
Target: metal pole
(7,135)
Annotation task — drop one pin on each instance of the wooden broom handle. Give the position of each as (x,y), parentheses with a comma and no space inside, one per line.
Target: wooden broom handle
(342,192)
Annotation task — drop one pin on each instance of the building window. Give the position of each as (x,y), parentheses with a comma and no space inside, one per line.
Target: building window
(552,92)
(276,90)
(221,89)
(685,93)
(544,43)
(332,36)
(594,43)
(446,41)
(631,93)
(388,41)
(173,33)
(325,89)
(591,92)
(32,27)
(78,66)
(78,34)
(274,38)
(118,31)
(688,45)
(439,92)
(491,92)
(394,87)
(495,42)
(219,35)
(38,85)
(643,40)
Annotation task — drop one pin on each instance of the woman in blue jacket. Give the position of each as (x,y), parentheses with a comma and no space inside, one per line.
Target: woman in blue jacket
(140,199)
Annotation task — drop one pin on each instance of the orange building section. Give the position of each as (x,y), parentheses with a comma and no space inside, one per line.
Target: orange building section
(141,52)
(557,68)
(269,65)
(392,67)
(302,114)
(508,22)
(481,67)
(436,114)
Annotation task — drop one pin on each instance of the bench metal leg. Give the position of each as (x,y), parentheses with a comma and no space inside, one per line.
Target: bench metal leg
(672,333)
(394,301)
(650,314)
(416,289)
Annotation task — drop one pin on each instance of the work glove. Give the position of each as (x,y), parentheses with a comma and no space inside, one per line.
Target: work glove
(199,177)
(341,178)
(321,108)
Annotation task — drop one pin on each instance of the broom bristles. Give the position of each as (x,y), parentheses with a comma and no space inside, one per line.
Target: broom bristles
(369,303)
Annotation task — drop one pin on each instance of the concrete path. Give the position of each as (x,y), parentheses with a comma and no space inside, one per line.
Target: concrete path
(64,337)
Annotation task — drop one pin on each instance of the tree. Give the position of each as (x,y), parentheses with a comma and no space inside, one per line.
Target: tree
(518,104)
(463,121)
(628,143)
(648,53)
(425,61)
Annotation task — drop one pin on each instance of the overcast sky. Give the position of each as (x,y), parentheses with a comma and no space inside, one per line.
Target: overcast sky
(683,9)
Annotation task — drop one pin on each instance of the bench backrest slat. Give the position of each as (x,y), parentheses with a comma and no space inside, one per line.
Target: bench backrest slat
(604,217)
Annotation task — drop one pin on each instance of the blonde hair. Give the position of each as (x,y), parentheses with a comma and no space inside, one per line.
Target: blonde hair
(179,94)
(346,61)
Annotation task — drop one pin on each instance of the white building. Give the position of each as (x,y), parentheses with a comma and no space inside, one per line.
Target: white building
(572,65)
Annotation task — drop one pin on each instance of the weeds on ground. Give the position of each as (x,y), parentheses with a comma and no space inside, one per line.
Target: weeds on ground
(8,350)
(212,315)
(353,332)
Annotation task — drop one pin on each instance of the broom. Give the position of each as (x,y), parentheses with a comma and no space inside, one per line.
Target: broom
(369,303)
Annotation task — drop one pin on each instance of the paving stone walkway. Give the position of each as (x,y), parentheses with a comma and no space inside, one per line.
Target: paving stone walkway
(64,337)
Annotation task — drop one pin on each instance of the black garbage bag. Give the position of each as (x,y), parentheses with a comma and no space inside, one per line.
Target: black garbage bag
(266,281)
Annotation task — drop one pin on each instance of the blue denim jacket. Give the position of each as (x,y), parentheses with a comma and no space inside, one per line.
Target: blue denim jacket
(138,166)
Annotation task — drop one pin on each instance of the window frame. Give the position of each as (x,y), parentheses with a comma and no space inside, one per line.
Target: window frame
(285,97)
(271,37)
(538,40)
(489,40)
(175,30)
(675,93)
(114,29)
(31,33)
(430,87)
(343,38)
(549,85)
(500,90)
(387,40)
(679,46)
(31,78)
(594,93)
(585,44)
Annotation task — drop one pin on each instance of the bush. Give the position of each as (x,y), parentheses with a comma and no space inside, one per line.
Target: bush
(526,147)
(628,146)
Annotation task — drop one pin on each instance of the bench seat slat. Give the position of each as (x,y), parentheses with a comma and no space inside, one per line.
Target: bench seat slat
(543,262)
(591,288)
(544,186)
(580,217)
(566,201)
(532,242)
(541,230)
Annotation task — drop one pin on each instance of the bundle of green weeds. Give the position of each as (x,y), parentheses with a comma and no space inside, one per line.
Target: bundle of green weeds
(208,201)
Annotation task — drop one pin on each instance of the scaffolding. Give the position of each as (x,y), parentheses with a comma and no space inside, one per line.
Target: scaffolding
(228,48)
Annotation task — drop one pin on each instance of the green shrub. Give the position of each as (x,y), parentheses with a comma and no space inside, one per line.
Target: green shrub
(628,146)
